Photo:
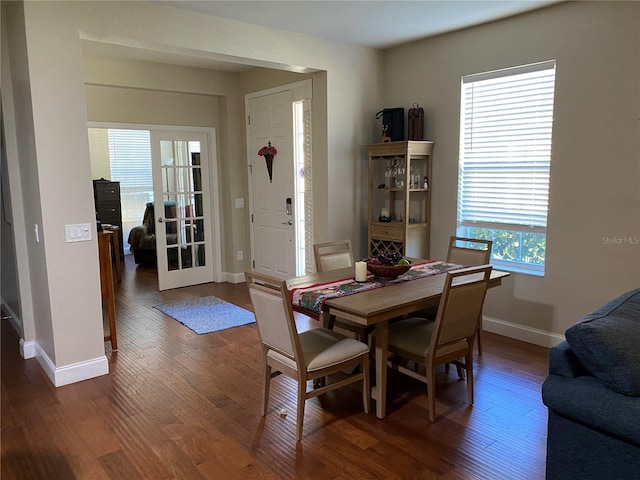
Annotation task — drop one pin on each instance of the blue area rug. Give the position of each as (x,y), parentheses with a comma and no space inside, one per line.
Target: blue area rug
(207,314)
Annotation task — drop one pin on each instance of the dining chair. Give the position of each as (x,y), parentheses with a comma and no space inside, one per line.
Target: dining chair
(470,252)
(447,340)
(332,256)
(310,355)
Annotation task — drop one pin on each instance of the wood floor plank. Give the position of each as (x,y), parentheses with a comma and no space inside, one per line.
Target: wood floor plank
(181,405)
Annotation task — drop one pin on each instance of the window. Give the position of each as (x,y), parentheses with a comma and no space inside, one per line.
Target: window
(506,121)
(130,159)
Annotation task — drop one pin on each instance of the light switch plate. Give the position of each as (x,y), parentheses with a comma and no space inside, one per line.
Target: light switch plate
(239,202)
(78,232)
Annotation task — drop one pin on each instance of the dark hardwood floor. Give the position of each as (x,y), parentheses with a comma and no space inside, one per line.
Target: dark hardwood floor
(181,405)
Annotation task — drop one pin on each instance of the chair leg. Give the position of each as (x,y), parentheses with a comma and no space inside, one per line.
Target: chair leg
(469,368)
(265,388)
(431,386)
(479,335)
(366,388)
(302,396)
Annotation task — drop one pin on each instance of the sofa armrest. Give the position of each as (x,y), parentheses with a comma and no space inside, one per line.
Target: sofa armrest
(563,362)
(140,238)
(588,401)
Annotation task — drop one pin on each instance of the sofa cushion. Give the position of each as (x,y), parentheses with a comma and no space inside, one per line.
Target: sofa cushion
(607,343)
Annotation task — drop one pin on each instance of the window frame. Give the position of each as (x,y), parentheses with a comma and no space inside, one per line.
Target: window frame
(504,168)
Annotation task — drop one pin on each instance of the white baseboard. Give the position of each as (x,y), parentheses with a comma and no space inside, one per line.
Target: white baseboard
(521,332)
(233,277)
(27,349)
(73,373)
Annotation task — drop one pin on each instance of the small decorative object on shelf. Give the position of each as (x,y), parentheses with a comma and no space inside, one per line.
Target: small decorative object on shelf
(385,137)
(426,183)
(268,152)
(415,130)
(384,215)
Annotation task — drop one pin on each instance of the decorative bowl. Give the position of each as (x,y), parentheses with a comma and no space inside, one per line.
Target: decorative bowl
(387,272)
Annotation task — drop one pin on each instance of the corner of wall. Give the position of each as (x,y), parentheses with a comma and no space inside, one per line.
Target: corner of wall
(73,373)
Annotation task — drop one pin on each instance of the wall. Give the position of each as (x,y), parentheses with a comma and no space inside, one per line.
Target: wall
(595,173)
(145,106)
(99,153)
(9,293)
(48,162)
(52,125)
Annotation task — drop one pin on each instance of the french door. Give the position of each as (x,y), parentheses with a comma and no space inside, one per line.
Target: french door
(182,208)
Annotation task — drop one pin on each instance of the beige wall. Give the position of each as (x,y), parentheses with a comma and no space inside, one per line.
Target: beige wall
(65,289)
(108,104)
(99,153)
(595,172)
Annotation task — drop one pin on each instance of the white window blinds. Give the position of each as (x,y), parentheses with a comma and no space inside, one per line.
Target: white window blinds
(130,155)
(505,148)
(130,158)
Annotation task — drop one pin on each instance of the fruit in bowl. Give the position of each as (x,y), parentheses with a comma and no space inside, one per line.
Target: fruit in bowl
(388,265)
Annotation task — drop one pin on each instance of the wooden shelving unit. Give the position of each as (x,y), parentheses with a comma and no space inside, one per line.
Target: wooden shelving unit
(399,203)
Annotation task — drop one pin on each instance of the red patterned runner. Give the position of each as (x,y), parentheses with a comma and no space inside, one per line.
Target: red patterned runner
(310,300)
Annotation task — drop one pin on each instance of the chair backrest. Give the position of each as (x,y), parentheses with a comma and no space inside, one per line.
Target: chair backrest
(333,255)
(469,252)
(460,307)
(274,314)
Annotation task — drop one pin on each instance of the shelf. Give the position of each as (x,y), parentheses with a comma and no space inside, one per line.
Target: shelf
(408,163)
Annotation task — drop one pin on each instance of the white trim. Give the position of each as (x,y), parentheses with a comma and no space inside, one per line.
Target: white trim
(505,72)
(234,277)
(76,372)
(27,349)
(521,332)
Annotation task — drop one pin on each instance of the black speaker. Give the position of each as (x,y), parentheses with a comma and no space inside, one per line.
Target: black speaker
(393,119)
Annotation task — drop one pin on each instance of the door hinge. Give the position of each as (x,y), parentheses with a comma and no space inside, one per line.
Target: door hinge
(248,119)
(252,218)
(253,264)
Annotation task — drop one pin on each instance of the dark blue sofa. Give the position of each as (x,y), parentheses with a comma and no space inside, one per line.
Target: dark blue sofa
(593,396)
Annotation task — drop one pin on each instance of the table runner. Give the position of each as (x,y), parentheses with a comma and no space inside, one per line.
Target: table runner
(310,300)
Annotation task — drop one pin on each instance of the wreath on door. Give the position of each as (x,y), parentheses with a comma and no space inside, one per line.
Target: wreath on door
(268,152)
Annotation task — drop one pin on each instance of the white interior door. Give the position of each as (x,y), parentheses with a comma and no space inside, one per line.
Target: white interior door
(273,201)
(182,207)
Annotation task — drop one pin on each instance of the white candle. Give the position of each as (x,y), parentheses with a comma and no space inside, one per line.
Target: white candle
(361,271)
(384,212)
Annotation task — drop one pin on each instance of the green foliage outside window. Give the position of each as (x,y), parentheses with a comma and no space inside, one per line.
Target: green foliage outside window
(512,246)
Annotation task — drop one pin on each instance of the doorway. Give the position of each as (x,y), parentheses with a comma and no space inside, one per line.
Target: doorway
(173,171)
(280,187)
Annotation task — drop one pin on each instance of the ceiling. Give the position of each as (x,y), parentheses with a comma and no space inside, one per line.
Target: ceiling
(369,23)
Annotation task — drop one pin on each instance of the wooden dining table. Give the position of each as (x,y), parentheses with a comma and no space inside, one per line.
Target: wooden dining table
(376,307)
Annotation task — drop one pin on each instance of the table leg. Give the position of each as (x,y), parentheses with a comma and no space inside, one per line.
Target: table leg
(382,339)
(328,320)
(115,238)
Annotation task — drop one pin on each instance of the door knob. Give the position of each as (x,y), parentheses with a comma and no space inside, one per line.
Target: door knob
(160,220)
(288,223)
